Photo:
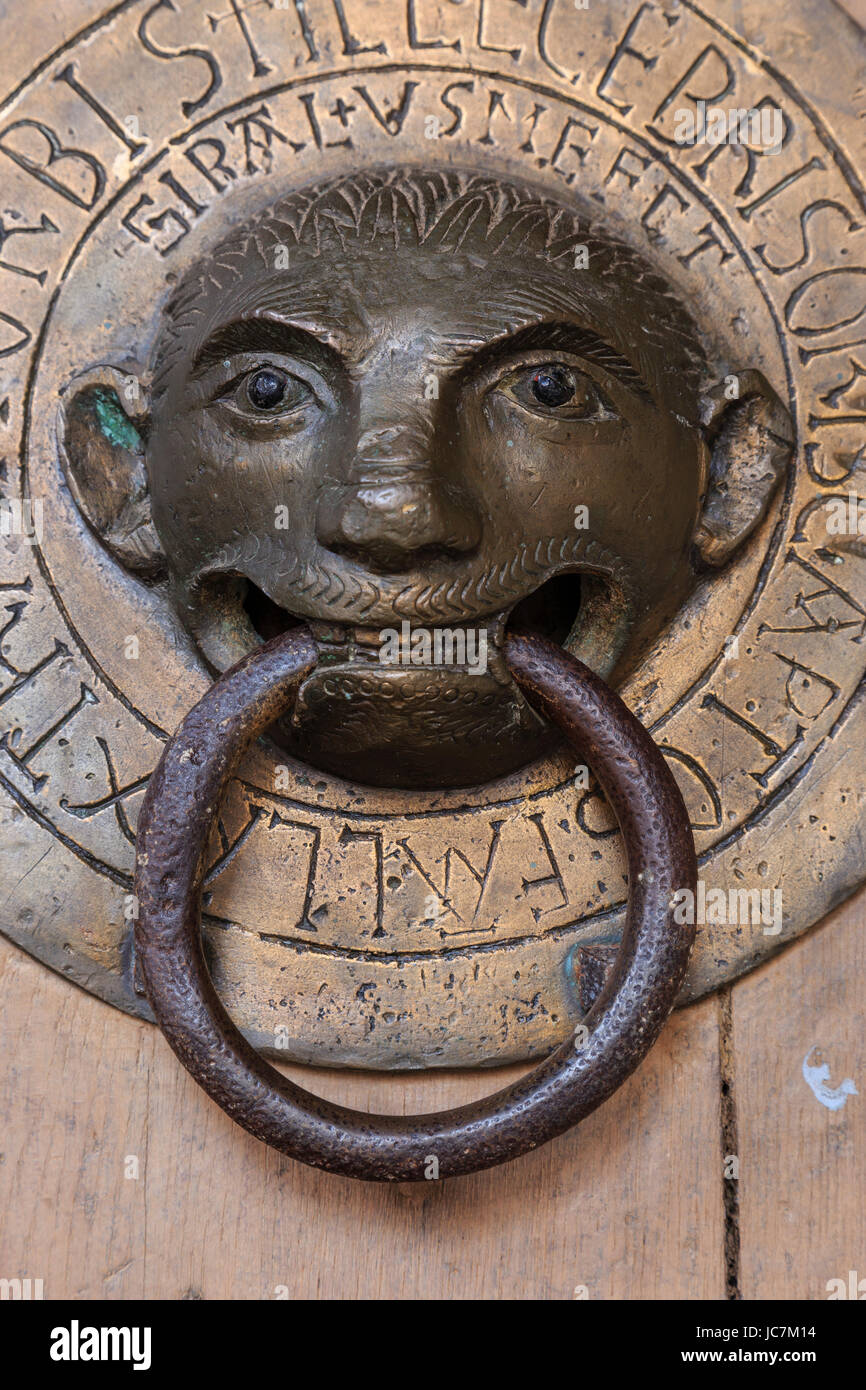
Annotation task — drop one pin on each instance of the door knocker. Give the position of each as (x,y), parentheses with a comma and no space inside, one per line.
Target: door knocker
(622,1024)
(437,456)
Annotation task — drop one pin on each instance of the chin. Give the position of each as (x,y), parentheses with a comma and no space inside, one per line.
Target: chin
(412,728)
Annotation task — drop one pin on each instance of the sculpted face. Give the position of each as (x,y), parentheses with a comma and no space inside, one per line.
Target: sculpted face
(396,401)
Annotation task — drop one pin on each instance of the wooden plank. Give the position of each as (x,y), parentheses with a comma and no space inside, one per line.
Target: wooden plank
(802,1164)
(628,1206)
(856,9)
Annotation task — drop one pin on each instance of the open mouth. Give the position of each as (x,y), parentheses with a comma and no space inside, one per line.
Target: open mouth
(444,713)
(550,611)
(268,619)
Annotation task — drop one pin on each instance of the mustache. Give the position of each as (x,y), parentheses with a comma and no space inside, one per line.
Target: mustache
(317,589)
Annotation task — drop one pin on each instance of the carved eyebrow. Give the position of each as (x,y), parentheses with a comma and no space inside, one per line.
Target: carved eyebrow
(263,335)
(564,337)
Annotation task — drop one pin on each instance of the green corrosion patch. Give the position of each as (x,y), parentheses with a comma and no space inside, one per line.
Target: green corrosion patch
(114,423)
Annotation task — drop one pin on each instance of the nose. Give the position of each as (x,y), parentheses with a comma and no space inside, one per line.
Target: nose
(396,504)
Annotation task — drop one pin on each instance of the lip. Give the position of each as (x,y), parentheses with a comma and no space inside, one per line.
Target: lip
(443,720)
(579,606)
(550,610)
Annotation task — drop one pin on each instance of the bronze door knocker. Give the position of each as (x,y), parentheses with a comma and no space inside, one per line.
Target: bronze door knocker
(620,1027)
(479,436)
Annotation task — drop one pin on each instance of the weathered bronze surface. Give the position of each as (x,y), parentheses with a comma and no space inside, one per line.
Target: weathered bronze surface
(622,1024)
(404,213)
(417,341)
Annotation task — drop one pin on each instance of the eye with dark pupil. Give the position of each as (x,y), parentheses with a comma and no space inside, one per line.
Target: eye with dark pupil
(266,389)
(552,385)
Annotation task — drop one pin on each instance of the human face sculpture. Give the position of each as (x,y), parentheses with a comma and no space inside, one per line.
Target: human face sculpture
(384,415)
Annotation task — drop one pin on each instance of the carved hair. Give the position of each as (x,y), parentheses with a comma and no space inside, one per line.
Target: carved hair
(445,211)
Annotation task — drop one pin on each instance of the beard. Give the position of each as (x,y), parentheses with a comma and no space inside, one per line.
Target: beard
(412,727)
(348,594)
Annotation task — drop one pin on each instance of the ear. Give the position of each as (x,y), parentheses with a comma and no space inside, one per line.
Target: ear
(751,440)
(101,431)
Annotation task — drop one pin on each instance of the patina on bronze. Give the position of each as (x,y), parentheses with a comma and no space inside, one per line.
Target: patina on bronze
(173,833)
(459,425)
(397,216)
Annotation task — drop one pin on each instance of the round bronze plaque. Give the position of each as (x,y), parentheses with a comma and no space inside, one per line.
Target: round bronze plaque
(397,918)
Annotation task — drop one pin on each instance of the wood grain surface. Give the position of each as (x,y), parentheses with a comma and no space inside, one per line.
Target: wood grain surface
(630,1205)
(635,1204)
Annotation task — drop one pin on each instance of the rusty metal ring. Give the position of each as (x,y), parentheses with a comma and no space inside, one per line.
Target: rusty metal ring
(173,835)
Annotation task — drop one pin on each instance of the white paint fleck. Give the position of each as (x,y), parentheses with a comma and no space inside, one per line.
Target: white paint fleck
(817,1076)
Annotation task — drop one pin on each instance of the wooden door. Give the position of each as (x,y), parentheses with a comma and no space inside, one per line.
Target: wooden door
(729,1166)
(633,1204)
